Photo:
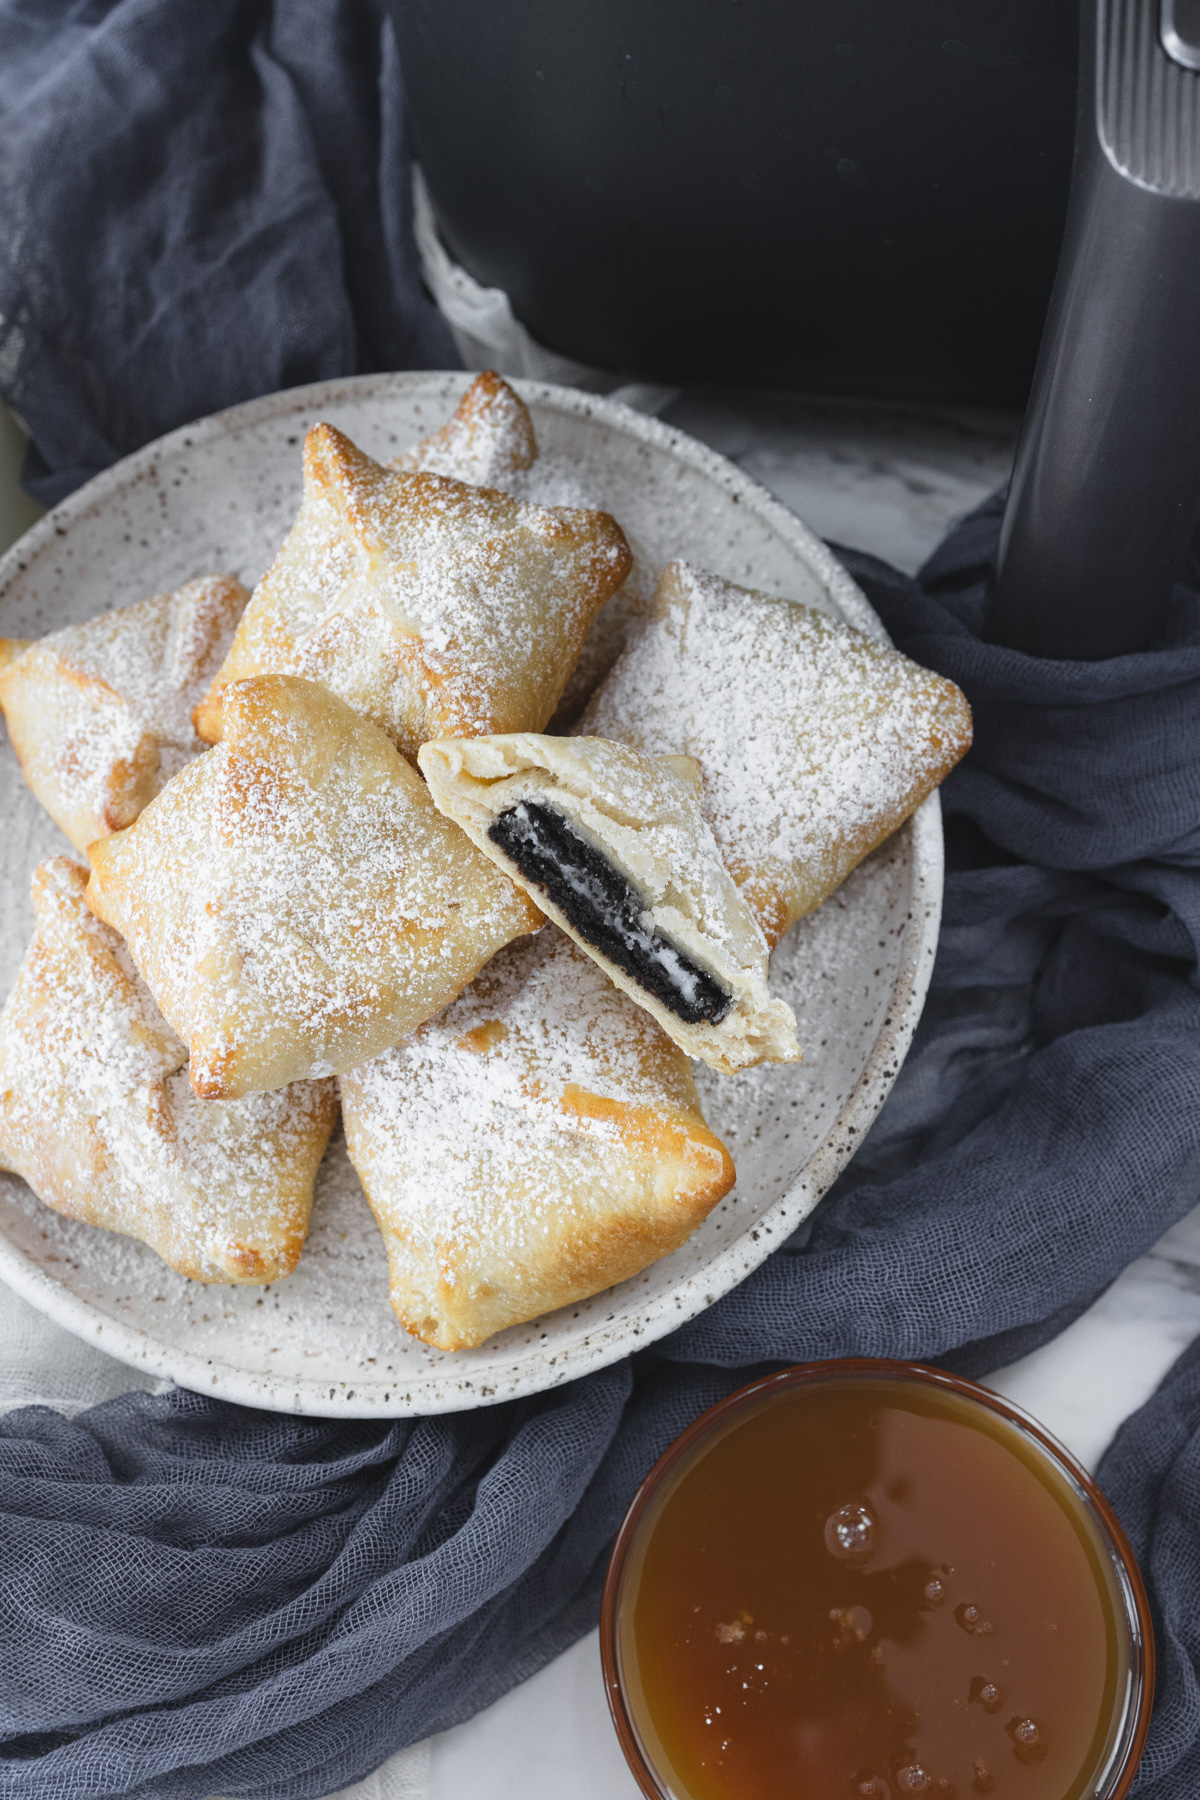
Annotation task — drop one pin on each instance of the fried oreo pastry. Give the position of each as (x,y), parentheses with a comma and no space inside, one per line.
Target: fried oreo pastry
(97,1113)
(538,1142)
(431,607)
(100,714)
(814,740)
(294,900)
(613,846)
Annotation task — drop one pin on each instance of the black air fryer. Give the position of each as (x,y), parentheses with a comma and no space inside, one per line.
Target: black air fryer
(864,198)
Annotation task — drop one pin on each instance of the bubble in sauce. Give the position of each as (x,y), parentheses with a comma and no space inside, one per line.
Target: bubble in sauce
(971,1620)
(983,1781)
(1026,1739)
(934,1591)
(853,1622)
(984,1693)
(850,1533)
(867,1786)
(910,1778)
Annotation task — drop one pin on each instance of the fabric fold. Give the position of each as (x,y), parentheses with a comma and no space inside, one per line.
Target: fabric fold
(229,187)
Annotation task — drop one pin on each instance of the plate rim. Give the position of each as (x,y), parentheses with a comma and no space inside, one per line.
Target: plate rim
(202,1373)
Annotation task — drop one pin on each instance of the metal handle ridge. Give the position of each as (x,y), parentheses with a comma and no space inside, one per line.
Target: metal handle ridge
(1106,486)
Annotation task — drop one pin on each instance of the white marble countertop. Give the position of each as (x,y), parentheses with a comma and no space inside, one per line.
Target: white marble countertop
(886,481)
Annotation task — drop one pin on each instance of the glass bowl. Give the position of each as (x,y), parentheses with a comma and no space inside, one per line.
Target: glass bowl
(1117,1573)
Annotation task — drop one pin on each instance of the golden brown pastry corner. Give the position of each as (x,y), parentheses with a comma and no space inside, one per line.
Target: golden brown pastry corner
(10,649)
(337,469)
(97,1117)
(367,535)
(692,1172)
(207,715)
(490,433)
(691,1161)
(220,860)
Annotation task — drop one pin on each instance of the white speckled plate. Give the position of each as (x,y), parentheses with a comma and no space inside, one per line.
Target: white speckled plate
(220,495)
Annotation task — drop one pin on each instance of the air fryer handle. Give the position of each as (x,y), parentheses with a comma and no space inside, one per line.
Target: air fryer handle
(1106,487)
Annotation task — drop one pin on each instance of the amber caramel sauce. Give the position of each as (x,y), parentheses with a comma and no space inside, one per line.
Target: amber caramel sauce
(866,1589)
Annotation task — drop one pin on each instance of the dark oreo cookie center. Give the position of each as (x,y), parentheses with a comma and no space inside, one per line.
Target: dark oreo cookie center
(606,910)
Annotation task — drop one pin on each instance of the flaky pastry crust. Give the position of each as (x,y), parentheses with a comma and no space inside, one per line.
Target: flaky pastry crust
(294,900)
(643,814)
(96,1112)
(431,607)
(538,1142)
(488,439)
(815,742)
(100,714)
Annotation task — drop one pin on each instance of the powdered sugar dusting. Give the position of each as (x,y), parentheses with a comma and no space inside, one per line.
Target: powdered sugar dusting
(813,740)
(294,899)
(551,481)
(159,654)
(488,441)
(318,884)
(325,1341)
(489,589)
(121,688)
(430,606)
(232,1150)
(478,1091)
(155,657)
(98,1113)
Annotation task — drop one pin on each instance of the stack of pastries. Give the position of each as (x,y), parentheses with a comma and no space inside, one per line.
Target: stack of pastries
(336,855)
